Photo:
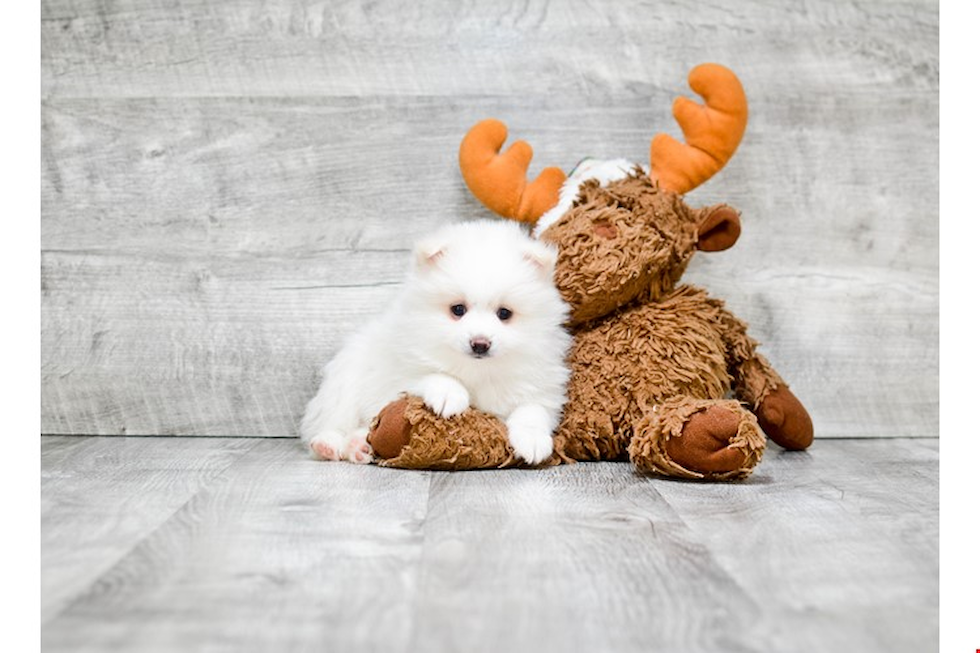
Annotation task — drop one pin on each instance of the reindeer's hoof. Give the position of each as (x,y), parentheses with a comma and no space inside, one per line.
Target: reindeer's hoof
(705,442)
(391,431)
(707,439)
(785,420)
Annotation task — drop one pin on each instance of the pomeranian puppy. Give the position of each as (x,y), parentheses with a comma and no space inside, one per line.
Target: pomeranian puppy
(478,323)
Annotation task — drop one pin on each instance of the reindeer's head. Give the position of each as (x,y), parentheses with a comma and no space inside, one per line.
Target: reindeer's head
(622,234)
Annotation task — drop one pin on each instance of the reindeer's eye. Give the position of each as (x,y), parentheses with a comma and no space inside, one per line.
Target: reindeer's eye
(458,310)
(504,314)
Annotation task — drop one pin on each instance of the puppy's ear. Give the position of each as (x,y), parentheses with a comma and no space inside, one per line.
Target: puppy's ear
(428,252)
(542,256)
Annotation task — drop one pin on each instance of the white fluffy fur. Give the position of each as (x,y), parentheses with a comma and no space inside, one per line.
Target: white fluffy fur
(418,346)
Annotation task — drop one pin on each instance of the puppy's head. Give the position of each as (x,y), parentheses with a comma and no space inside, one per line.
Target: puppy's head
(483,291)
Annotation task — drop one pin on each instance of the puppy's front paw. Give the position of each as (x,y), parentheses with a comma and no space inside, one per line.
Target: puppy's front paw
(529,432)
(533,446)
(445,396)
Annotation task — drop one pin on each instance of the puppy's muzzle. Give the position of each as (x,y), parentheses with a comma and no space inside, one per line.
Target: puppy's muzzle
(480,346)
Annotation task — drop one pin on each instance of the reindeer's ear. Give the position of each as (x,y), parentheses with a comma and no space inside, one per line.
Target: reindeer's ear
(718,228)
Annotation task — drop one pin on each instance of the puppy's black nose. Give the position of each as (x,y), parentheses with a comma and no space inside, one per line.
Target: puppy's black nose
(480,346)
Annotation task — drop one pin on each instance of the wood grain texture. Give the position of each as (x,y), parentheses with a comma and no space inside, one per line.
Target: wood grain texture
(102,498)
(804,522)
(203,345)
(151,48)
(583,559)
(227,189)
(283,553)
(834,549)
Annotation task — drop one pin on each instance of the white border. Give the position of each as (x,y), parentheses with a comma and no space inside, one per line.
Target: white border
(958,295)
(21,263)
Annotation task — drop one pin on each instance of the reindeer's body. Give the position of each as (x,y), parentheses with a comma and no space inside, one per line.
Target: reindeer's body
(637,360)
(649,354)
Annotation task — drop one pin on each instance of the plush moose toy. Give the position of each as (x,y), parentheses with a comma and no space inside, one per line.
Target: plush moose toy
(652,362)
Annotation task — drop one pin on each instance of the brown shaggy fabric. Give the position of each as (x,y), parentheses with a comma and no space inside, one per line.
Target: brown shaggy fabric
(648,449)
(471,440)
(650,358)
(753,375)
(636,359)
(620,244)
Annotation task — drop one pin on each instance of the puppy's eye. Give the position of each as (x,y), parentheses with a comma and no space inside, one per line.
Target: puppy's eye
(458,310)
(504,314)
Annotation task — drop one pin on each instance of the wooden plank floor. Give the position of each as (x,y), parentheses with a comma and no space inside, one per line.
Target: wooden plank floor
(233,544)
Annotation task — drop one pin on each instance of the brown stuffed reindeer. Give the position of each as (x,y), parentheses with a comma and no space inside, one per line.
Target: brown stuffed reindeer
(653,362)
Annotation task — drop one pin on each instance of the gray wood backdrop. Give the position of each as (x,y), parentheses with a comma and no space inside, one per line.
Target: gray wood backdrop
(228,188)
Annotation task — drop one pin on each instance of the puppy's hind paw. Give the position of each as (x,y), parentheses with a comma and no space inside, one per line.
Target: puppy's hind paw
(359,451)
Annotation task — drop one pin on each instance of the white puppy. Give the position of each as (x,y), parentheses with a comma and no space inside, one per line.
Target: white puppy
(477,323)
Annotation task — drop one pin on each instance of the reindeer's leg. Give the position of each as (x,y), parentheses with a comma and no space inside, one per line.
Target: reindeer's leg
(709,439)
(780,413)
(408,435)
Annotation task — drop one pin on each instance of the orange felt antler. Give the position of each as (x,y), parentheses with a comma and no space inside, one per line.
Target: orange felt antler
(500,180)
(712,131)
